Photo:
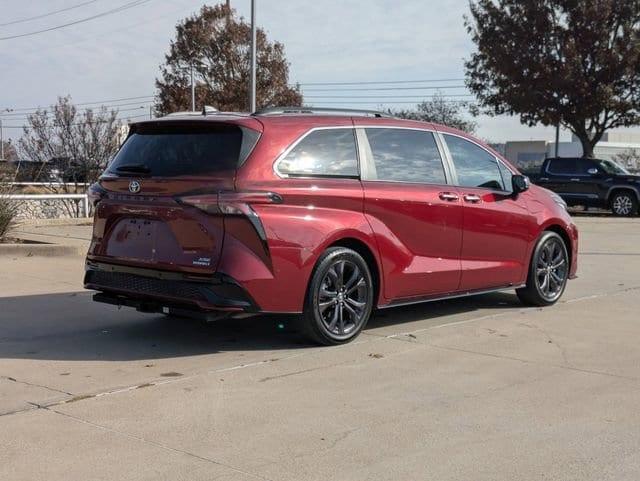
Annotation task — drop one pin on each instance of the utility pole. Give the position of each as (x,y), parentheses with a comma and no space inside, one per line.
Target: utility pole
(193,90)
(1,142)
(252,106)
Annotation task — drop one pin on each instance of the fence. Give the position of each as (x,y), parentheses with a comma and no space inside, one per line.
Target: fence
(49,206)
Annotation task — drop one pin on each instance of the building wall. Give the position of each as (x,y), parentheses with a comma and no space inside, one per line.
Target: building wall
(528,155)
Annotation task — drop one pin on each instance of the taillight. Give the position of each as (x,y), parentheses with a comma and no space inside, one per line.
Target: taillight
(95,193)
(230,203)
(205,202)
(234,203)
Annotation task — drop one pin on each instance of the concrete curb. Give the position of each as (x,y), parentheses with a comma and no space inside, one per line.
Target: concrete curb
(40,250)
(54,222)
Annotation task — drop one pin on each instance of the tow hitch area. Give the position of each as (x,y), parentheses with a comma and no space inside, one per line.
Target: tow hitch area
(154,307)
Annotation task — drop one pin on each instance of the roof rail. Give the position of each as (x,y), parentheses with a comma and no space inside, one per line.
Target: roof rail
(319,110)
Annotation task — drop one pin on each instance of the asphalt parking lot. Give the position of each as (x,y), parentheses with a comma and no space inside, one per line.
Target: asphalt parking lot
(469,389)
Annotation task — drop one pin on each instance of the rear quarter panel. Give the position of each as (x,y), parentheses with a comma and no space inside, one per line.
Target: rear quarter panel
(315,213)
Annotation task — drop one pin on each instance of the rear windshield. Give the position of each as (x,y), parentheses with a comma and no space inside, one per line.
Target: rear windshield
(170,151)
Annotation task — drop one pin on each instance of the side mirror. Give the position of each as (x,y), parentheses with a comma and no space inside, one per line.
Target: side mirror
(592,171)
(520,183)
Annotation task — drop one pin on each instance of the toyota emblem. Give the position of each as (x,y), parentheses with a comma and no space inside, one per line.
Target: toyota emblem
(134,186)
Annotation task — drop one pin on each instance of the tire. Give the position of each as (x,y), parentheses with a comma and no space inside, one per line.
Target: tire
(548,272)
(339,299)
(624,204)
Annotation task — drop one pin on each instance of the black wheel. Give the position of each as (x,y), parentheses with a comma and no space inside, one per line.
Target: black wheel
(624,204)
(339,299)
(548,272)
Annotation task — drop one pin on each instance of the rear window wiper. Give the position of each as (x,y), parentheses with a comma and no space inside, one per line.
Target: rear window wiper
(136,168)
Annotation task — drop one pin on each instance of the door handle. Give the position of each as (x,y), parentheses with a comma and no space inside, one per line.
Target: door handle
(449,196)
(575,180)
(474,199)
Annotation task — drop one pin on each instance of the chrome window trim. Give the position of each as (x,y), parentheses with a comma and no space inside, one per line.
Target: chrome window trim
(370,161)
(453,167)
(288,150)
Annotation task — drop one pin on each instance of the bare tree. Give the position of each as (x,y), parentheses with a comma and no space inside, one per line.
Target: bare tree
(76,144)
(629,158)
(441,111)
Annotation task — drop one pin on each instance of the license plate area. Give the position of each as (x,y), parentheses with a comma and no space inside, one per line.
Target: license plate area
(134,239)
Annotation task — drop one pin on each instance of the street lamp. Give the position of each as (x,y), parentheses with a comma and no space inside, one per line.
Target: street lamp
(253,58)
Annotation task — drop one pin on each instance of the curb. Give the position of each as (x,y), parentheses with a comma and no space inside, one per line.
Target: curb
(54,222)
(40,250)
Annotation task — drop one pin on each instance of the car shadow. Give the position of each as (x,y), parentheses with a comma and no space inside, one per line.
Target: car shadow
(70,326)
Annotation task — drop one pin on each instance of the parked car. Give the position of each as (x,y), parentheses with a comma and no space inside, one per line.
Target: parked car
(327,214)
(591,183)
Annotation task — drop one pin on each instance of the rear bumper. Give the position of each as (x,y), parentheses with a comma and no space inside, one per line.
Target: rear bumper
(161,291)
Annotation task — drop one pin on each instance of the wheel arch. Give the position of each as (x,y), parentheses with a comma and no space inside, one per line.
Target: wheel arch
(367,253)
(558,229)
(621,188)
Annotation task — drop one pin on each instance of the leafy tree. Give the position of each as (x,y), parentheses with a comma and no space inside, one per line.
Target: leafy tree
(569,62)
(218,43)
(441,111)
(78,145)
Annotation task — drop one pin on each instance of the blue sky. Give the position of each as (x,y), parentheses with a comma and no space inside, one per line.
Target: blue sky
(118,55)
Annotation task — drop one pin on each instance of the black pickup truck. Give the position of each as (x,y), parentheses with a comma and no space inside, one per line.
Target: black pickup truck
(591,183)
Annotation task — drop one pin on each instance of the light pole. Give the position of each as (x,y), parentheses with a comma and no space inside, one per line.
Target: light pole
(1,142)
(252,94)
(193,90)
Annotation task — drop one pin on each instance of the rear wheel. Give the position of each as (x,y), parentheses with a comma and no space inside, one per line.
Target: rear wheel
(624,204)
(339,299)
(548,272)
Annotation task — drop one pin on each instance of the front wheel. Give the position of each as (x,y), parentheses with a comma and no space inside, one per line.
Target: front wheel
(548,272)
(340,297)
(624,204)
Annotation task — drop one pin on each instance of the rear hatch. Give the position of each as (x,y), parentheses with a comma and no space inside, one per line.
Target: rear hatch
(156,204)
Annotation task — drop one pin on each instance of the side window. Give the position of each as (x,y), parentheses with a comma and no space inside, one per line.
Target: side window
(475,166)
(563,166)
(325,152)
(404,155)
(585,164)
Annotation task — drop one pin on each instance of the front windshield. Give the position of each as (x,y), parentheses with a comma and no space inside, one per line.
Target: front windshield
(610,167)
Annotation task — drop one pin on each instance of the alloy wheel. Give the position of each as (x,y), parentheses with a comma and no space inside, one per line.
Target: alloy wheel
(343,298)
(622,205)
(551,269)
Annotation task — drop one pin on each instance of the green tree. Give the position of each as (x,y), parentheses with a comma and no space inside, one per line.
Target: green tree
(569,62)
(216,42)
(441,111)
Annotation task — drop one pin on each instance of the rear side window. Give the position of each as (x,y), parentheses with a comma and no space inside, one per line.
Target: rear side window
(403,155)
(171,151)
(563,166)
(325,152)
(475,166)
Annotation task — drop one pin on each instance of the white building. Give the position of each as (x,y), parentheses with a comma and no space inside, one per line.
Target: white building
(529,154)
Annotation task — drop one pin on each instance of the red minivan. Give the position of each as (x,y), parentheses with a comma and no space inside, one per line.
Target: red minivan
(329,214)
